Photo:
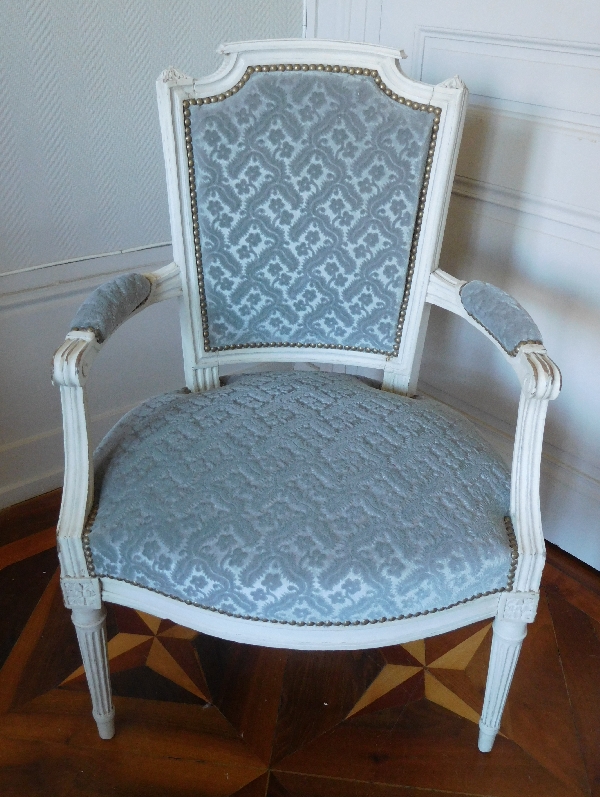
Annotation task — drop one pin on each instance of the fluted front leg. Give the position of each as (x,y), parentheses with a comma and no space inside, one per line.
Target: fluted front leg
(91,634)
(506,645)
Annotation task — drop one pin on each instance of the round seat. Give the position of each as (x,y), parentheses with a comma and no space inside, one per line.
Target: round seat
(302,497)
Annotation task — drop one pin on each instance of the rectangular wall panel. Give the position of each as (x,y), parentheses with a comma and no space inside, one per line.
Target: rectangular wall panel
(525,216)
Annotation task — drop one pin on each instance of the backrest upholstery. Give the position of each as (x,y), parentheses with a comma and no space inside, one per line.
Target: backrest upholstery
(307,186)
(299,193)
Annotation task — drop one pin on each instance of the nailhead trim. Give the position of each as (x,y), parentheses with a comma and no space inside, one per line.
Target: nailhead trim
(420,207)
(328,623)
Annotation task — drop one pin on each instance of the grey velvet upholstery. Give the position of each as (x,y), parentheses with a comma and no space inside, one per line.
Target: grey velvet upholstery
(307,188)
(304,498)
(111,304)
(500,314)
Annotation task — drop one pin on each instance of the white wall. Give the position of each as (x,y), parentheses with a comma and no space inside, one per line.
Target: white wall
(525,213)
(82,175)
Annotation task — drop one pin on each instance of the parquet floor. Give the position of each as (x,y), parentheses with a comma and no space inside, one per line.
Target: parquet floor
(198,716)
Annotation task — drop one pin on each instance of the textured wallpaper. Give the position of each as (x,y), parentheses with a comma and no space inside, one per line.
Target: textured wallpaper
(80,151)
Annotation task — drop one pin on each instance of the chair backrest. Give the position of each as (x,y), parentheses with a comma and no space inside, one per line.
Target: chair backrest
(308,186)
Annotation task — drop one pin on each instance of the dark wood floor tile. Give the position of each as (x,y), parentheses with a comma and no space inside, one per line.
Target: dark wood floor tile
(586,576)
(29,769)
(29,517)
(21,587)
(477,668)
(133,658)
(12,670)
(569,589)
(127,621)
(54,657)
(144,728)
(186,658)
(397,654)
(459,683)
(437,646)
(595,626)
(409,691)
(194,718)
(22,549)
(165,625)
(580,655)
(256,788)
(289,784)
(538,714)
(145,683)
(423,745)
(245,683)
(319,689)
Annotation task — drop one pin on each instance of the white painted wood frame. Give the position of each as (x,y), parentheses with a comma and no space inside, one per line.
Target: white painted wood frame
(539,378)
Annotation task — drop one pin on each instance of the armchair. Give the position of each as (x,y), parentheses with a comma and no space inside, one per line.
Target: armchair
(308,186)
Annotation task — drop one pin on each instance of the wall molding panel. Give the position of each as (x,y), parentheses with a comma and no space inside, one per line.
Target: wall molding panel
(36,306)
(36,461)
(83,171)
(529,204)
(423,32)
(77,277)
(347,20)
(525,213)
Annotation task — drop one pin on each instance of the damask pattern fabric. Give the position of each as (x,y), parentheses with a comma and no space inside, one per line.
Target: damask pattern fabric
(307,189)
(304,497)
(500,314)
(110,304)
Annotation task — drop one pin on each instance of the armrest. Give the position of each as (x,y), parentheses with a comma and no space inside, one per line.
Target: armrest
(509,325)
(510,328)
(500,315)
(107,307)
(103,312)
(110,304)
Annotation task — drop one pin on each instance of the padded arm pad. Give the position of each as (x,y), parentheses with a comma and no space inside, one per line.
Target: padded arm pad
(111,304)
(500,315)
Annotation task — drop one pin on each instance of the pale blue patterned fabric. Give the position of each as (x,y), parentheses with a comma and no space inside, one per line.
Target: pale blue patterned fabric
(302,497)
(307,189)
(500,314)
(110,304)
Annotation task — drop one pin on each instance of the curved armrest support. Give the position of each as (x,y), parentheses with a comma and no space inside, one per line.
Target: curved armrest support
(540,383)
(72,363)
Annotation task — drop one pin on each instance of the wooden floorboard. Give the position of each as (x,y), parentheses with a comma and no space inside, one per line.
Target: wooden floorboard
(201,716)
(29,517)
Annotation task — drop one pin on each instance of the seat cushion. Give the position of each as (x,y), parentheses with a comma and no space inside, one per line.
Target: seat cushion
(301,497)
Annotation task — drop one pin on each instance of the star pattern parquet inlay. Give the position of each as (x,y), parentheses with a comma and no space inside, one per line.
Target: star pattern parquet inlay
(202,716)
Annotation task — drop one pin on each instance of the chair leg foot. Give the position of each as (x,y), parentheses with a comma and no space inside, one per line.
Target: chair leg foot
(91,634)
(506,646)
(487,736)
(106,725)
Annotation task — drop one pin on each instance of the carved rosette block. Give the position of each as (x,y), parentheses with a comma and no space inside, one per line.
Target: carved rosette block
(506,645)
(455,82)
(90,625)
(173,75)
(521,606)
(81,592)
